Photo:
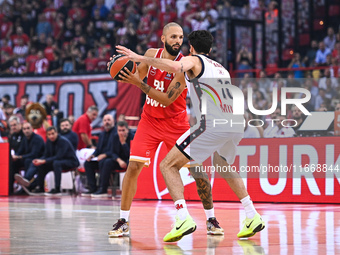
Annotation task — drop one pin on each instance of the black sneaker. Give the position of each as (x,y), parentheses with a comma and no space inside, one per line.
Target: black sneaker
(37,191)
(87,194)
(100,193)
(53,192)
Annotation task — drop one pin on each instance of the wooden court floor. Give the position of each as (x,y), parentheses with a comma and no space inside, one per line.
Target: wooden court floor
(76,225)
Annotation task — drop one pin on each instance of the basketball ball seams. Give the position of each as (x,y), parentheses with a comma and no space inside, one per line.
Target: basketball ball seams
(118,63)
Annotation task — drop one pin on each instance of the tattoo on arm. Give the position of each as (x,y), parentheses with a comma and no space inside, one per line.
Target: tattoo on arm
(173,90)
(145,87)
(181,67)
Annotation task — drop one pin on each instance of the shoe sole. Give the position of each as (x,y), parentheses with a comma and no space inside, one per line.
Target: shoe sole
(258,228)
(53,195)
(21,180)
(121,235)
(177,238)
(215,233)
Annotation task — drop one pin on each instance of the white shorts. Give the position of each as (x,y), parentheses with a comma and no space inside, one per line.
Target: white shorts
(198,146)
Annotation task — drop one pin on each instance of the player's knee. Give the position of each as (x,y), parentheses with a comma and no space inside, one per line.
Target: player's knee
(133,169)
(165,164)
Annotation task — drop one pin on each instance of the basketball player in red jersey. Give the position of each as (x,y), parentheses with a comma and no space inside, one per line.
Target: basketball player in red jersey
(164,119)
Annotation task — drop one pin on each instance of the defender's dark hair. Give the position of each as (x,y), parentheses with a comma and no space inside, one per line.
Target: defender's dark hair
(201,40)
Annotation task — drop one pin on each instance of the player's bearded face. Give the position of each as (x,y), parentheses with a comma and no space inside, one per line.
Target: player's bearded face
(172,49)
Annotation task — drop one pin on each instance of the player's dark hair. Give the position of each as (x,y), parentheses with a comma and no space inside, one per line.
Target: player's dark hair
(201,40)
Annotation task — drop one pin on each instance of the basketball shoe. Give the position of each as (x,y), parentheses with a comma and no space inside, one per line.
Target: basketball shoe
(180,229)
(120,229)
(213,228)
(251,226)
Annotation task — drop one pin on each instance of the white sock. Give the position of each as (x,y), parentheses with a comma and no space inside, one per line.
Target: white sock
(125,214)
(209,213)
(248,207)
(182,210)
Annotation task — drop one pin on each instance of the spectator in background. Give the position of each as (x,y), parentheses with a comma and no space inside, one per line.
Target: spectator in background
(263,81)
(16,135)
(16,68)
(66,131)
(20,51)
(330,39)
(9,111)
(311,53)
(43,26)
(41,65)
(22,108)
(55,66)
(82,127)
(101,160)
(20,35)
(68,30)
(50,47)
(59,155)
(71,119)
(50,105)
(91,62)
(108,34)
(31,147)
(31,59)
(251,131)
(277,129)
(6,26)
(66,57)
(298,116)
(336,54)
(26,24)
(101,63)
(103,10)
(5,100)
(5,48)
(320,99)
(321,54)
(244,60)
(297,63)
(327,77)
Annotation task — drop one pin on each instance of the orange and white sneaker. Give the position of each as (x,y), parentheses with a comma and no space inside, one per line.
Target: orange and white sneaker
(120,229)
(213,227)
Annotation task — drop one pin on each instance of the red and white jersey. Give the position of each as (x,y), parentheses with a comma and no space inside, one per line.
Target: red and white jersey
(160,80)
(41,65)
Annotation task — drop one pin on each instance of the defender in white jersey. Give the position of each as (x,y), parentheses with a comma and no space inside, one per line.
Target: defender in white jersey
(205,138)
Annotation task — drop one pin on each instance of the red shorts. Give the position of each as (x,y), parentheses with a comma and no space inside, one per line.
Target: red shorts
(152,131)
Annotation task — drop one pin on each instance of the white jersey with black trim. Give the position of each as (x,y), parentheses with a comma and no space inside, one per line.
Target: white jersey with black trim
(212,100)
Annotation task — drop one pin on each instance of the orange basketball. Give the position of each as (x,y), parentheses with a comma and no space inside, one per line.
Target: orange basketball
(118,63)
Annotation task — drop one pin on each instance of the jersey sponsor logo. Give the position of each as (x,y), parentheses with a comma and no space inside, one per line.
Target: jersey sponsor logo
(168,76)
(152,71)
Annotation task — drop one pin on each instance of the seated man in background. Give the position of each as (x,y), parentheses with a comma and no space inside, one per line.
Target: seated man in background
(66,131)
(31,147)
(100,159)
(82,127)
(15,139)
(59,155)
(121,147)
